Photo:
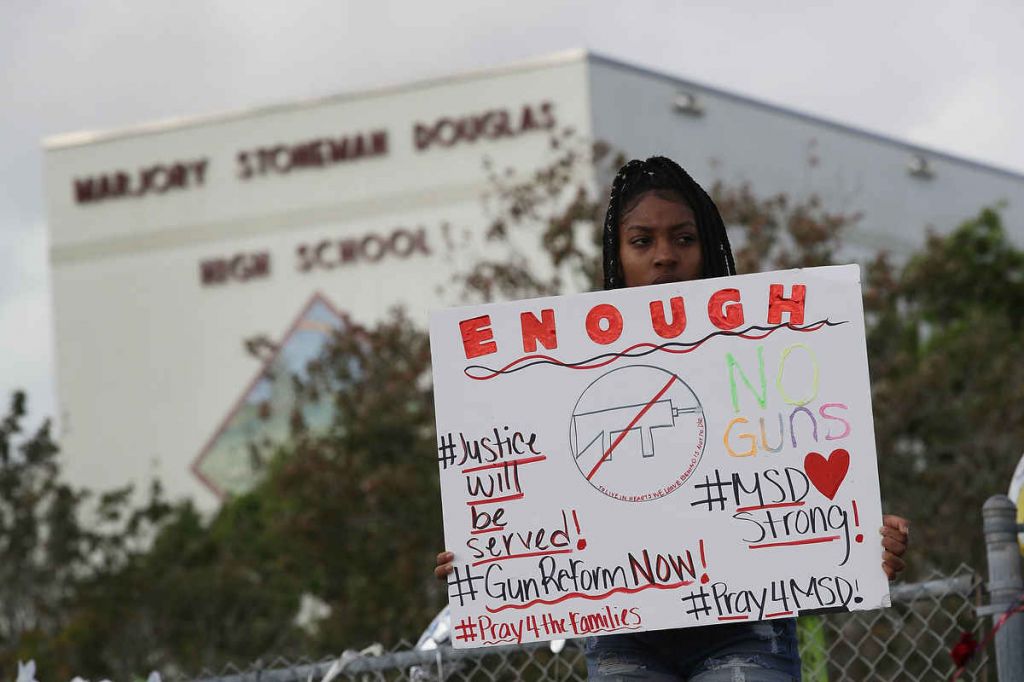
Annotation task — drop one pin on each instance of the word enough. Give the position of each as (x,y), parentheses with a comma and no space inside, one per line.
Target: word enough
(604,322)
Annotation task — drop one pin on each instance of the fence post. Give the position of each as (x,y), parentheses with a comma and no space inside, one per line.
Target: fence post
(1005,583)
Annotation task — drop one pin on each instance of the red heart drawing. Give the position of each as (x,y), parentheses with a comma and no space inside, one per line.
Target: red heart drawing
(827,474)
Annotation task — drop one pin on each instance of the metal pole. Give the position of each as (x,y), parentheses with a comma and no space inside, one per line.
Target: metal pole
(1005,583)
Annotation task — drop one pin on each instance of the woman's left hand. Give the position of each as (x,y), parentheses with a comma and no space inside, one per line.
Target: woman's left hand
(895,533)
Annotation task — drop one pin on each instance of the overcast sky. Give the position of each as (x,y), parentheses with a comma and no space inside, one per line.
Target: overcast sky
(945,75)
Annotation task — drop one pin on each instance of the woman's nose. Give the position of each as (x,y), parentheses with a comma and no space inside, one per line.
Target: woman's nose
(664,254)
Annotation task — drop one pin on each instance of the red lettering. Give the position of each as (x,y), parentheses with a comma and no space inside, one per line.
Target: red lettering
(240,268)
(778,304)
(348,249)
(535,330)
(725,316)
(260,264)
(339,149)
(491,125)
(307,154)
(306,263)
(481,519)
(121,184)
(370,248)
(422,136)
(379,142)
(275,157)
(372,254)
(360,147)
(84,190)
(199,167)
(420,240)
(104,188)
(609,314)
(156,179)
(245,170)
(474,126)
(548,114)
(319,251)
(265,157)
(236,267)
(663,328)
(477,337)
(401,243)
(440,128)
(502,126)
(527,121)
(145,181)
(213,271)
(176,176)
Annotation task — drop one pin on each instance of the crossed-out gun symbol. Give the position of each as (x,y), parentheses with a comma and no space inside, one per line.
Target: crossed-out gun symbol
(609,422)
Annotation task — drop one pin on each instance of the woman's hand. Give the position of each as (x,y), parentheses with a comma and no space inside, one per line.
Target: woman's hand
(895,533)
(444,565)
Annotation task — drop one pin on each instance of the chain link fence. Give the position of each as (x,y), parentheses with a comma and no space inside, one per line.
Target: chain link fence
(910,641)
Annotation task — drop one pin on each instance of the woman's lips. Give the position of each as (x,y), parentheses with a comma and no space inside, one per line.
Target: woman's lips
(665,279)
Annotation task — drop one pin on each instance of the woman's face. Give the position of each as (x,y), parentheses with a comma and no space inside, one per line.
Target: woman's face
(659,242)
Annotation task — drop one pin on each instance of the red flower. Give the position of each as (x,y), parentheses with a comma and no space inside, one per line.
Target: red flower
(963,650)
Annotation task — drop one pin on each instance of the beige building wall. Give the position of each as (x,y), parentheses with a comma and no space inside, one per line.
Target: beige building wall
(150,357)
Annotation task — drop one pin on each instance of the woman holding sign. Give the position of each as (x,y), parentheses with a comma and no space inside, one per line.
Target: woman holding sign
(662,227)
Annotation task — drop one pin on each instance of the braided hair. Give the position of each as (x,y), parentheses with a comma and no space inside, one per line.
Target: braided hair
(661,174)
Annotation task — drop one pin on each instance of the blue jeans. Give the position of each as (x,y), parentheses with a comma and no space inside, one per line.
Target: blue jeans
(738,652)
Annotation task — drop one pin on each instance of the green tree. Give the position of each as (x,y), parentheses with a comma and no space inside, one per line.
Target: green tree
(350,516)
(945,342)
(54,539)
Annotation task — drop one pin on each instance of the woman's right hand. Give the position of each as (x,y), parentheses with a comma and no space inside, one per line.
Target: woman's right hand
(444,565)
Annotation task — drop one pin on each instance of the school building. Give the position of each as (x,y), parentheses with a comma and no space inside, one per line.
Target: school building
(174,242)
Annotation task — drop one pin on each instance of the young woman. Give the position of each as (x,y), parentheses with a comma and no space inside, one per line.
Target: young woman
(662,227)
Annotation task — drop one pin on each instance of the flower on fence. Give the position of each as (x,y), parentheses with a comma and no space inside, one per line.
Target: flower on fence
(347,656)
(312,611)
(27,671)
(964,649)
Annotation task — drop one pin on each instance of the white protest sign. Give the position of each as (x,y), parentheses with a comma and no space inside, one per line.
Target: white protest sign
(1016,495)
(658,457)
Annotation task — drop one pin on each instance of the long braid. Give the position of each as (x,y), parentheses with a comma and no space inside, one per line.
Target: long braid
(612,267)
(660,173)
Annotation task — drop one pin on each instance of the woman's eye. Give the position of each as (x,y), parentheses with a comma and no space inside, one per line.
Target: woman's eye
(640,241)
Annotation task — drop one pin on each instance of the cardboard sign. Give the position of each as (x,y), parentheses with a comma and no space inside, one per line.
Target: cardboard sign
(657,457)
(1016,495)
